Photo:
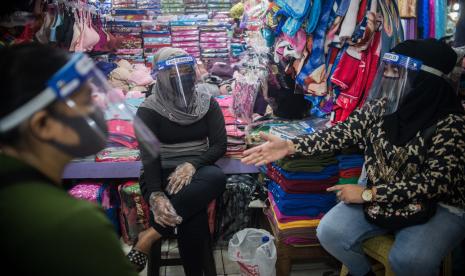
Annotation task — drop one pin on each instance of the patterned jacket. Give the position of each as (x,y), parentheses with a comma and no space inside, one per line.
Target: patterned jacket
(406,175)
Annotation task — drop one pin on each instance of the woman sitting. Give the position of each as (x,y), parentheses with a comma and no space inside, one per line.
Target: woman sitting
(413,133)
(183,180)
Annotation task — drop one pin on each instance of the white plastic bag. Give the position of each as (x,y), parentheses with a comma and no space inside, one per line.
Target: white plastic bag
(255,252)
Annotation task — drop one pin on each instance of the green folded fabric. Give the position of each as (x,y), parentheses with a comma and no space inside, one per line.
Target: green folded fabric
(308,164)
(348,181)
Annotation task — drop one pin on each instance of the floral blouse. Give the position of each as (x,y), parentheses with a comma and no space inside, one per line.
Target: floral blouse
(420,171)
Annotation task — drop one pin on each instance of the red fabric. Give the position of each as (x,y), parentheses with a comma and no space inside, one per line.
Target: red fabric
(362,11)
(299,186)
(345,74)
(350,173)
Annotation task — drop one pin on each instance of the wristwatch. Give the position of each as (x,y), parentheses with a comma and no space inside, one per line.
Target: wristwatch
(367,195)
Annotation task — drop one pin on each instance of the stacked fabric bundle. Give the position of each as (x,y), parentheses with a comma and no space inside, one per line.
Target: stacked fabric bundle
(185,35)
(128,4)
(219,5)
(298,197)
(172,7)
(128,34)
(234,129)
(195,6)
(156,35)
(350,168)
(214,42)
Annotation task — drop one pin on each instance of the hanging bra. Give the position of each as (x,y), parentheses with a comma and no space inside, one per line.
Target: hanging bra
(89,37)
(53,29)
(41,35)
(102,43)
(76,41)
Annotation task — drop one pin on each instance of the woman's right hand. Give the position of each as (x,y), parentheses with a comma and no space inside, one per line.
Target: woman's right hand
(273,149)
(163,211)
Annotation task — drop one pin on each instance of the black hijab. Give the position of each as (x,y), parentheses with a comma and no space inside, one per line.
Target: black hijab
(432,97)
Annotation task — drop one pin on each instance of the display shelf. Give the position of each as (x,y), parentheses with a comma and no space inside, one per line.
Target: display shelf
(93,170)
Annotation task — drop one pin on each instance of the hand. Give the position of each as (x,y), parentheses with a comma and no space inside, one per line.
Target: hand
(163,211)
(181,177)
(273,149)
(348,193)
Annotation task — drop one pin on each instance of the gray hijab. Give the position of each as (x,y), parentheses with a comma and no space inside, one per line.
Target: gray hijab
(165,100)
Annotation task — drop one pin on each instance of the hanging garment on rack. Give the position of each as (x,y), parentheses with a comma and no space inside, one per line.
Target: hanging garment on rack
(407,8)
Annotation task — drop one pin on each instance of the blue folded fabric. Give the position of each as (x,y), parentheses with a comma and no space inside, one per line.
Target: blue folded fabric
(328,172)
(301,204)
(106,67)
(350,161)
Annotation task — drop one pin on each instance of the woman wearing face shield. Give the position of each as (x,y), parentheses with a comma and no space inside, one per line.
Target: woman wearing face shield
(44,123)
(183,180)
(412,130)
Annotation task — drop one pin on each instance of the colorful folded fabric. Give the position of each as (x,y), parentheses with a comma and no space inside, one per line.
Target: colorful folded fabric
(280,217)
(348,180)
(301,204)
(327,172)
(351,173)
(313,164)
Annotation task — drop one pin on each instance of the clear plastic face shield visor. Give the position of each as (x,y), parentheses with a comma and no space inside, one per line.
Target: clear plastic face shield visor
(181,74)
(92,104)
(395,80)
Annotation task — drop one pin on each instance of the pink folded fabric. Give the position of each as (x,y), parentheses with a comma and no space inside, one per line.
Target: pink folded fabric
(283,218)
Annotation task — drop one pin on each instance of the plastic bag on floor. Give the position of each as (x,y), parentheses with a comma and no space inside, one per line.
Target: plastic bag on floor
(255,252)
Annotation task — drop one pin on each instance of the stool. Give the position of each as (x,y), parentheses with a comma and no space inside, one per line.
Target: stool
(378,248)
(156,261)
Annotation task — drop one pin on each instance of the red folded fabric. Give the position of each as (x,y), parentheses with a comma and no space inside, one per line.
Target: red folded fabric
(350,173)
(301,186)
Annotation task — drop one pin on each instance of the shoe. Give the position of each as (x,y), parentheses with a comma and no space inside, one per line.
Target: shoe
(138,258)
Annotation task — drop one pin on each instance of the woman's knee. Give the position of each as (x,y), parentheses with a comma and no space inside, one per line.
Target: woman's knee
(414,261)
(328,232)
(214,177)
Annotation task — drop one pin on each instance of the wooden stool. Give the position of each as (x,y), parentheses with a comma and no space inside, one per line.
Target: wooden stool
(287,253)
(378,248)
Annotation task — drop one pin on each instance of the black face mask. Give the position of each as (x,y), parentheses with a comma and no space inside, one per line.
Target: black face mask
(188,86)
(92,131)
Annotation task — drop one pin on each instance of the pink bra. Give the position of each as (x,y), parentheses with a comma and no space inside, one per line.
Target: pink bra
(89,37)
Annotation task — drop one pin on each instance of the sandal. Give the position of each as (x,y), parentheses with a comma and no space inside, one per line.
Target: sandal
(138,258)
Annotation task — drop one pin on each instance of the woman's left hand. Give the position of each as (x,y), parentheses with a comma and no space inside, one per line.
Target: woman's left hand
(348,193)
(181,177)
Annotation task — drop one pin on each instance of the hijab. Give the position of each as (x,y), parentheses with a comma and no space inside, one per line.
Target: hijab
(165,101)
(431,99)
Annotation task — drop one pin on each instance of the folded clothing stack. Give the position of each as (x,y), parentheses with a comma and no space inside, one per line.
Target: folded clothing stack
(156,35)
(195,6)
(172,7)
(214,43)
(186,36)
(350,168)
(234,129)
(292,230)
(219,5)
(128,34)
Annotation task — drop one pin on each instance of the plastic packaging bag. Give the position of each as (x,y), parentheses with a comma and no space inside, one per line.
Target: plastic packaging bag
(255,252)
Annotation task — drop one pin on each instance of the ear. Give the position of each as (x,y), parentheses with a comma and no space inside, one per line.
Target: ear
(43,126)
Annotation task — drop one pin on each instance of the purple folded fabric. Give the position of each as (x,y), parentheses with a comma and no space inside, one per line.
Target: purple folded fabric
(283,218)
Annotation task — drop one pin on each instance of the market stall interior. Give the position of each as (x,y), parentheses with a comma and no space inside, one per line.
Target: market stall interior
(283,67)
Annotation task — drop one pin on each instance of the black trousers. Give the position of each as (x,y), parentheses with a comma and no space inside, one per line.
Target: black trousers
(191,204)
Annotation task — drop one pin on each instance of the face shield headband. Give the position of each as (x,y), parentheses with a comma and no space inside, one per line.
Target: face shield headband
(62,85)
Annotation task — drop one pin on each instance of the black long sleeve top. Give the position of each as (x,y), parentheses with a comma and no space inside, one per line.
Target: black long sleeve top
(211,126)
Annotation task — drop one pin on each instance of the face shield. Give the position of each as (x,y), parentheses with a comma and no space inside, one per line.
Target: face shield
(92,108)
(396,78)
(181,75)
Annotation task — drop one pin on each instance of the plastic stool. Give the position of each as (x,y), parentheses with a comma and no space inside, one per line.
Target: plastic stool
(379,247)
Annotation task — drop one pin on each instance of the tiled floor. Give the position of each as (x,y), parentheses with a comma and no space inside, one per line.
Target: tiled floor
(228,268)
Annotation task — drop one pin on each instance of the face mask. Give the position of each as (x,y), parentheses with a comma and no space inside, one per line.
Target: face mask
(92,131)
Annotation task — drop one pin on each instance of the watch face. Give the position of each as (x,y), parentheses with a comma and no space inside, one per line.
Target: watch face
(367,195)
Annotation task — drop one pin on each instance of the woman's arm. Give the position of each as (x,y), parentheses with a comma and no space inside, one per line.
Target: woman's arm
(217,137)
(151,179)
(343,135)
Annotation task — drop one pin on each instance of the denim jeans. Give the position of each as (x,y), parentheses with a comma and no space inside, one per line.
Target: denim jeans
(417,250)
